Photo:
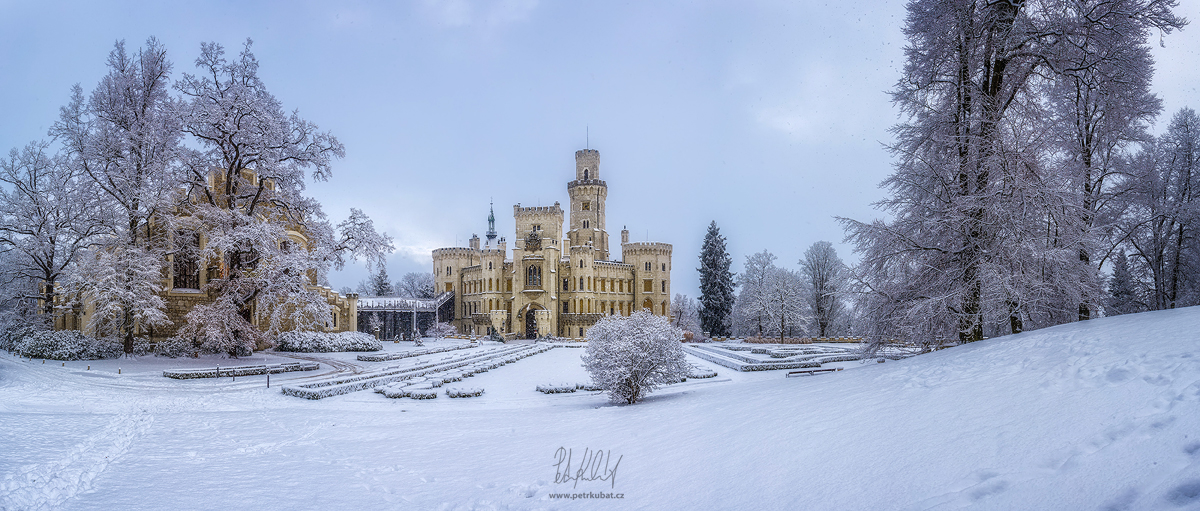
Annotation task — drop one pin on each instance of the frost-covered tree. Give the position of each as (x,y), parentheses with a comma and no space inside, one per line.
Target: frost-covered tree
(440,330)
(631,356)
(48,217)
(245,192)
(374,323)
(1123,294)
(785,299)
(824,277)
(687,314)
(1101,104)
(985,235)
(752,311)
(716,284)
(416,285)
(1160,220)
(126,137)
(381,285)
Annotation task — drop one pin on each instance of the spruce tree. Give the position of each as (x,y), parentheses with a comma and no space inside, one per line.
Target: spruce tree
(716,284)
(380,284)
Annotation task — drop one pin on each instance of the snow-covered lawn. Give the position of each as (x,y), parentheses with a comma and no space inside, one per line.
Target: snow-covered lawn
(1099,415)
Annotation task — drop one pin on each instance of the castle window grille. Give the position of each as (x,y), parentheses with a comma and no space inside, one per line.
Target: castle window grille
(581,283)
(187,266)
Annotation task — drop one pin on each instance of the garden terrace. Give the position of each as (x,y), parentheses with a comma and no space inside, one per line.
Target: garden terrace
(217,372)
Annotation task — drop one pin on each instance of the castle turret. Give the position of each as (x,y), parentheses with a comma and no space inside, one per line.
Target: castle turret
(588,194)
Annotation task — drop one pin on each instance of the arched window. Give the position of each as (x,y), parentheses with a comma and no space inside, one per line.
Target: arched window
(533,276)
(566,307)
(581,288)
(585,174)
(566,284)
(647,265)
(585,224)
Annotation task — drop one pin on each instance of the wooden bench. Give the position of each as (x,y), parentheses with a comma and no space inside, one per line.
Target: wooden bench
(813,371)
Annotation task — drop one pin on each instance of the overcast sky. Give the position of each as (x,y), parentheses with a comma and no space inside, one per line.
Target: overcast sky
(768,117)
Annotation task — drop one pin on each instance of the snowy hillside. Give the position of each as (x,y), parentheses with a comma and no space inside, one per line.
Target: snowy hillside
(1097,415)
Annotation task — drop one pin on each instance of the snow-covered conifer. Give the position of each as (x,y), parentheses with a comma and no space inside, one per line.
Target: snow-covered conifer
(716,284)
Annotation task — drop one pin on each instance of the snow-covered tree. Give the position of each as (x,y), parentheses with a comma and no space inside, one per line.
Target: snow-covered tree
(824,277)
(48,217)
(126,137)
(985,236)
(1123,294)
(381,285)
(784,296)
(752,310)
(416,285)
(374,323)
(441,330)
(1101,102)
(245,192)
(631,356)
(687,314)
(1160,220)
(716,284)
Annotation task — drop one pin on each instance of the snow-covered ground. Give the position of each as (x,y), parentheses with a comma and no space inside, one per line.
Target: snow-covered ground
(1098,415)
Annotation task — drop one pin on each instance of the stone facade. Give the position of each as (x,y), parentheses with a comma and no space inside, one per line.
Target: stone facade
(555,283)
(184,283)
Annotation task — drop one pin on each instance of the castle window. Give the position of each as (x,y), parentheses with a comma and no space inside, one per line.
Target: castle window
(648,286)
(581,282)
(664,286)
(566,284)
(489,265)
(187,266)
(585,174)
(448,270)
(566,307)
(647,265)
(533,276)
(664,266)
(585,224)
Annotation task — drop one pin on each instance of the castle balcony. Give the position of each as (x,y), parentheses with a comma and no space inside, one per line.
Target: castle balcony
(584,182)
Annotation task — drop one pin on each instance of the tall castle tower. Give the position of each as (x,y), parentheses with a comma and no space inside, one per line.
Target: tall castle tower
(588,193)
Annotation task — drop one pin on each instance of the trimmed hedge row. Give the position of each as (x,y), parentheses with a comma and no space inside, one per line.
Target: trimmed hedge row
(326,342)
(338,386)
(217,372)
(384,357)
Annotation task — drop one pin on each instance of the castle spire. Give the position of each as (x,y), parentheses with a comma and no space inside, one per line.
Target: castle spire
(491,232)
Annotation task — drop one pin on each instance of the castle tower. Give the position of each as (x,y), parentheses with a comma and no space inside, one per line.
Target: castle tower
(588,193)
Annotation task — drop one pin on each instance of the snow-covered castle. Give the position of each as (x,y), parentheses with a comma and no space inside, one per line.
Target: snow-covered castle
(556,283)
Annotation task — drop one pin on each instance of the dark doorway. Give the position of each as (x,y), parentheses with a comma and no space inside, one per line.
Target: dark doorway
(530,325)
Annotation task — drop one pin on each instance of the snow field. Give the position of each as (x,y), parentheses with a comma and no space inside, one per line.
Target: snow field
(1103,414)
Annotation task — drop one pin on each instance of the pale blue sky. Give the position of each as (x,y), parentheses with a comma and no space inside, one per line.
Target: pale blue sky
(766,116)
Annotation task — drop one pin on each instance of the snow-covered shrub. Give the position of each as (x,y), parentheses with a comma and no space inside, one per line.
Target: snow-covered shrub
(175,347)
(326,342)
(66,345)
(496,337)
(556,388)
(633,355)
(14,333)
(589,386)
(422,392)
(464,392)
(441,330)
(700,372)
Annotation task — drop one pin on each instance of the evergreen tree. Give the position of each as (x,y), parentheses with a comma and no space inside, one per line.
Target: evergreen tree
(1122,288)
(381,285)
(716,284)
